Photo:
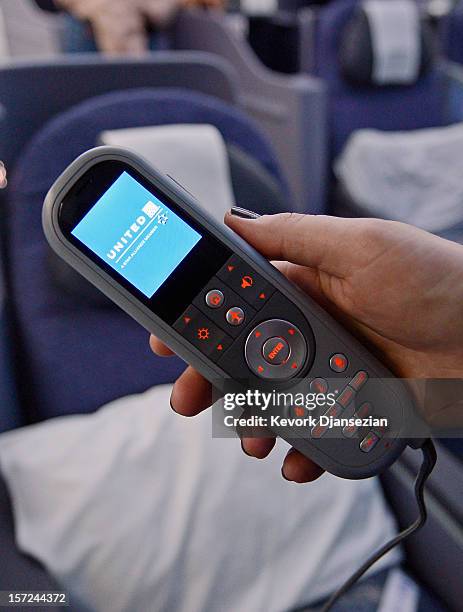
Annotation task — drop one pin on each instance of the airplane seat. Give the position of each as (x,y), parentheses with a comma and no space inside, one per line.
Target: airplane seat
(289,108)
(346,57)
(295,5)
(268,35)
(10,416)
(450,31)
(451,34)
(77,355)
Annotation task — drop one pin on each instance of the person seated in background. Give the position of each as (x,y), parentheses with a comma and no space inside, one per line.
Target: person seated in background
(118,26)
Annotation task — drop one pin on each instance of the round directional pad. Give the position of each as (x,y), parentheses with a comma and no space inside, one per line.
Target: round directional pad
(276,350)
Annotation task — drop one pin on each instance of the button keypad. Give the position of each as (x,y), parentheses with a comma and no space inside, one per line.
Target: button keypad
(269,330)
(202,333)
(231,314)
(350,431)
(237,314)
(245,282)
(333,411)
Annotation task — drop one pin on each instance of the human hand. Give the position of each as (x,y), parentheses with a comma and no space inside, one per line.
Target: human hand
(397,288)
(119,26)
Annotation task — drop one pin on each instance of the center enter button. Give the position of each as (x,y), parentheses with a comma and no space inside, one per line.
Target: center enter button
(276,350)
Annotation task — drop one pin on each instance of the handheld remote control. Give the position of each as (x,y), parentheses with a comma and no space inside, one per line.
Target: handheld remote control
(146,243)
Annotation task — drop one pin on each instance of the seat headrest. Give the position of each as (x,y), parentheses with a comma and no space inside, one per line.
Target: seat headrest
(386,43)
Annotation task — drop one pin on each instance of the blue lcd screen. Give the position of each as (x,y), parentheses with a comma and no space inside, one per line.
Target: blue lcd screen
(136,234)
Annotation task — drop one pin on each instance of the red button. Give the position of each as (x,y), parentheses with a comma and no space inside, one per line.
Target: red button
(235,316)
(276,350)
(364,410)
(319,430)
(319,385)
(350,430)
(369,442)
(214,298)
(359,380)
(345,397)
(338,363)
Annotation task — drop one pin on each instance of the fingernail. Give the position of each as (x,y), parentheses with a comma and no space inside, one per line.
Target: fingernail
(284,475)
(171,405)
(243,213)
(288,454)
(244,450)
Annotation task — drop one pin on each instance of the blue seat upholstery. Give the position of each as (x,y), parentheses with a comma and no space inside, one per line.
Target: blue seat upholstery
(75,356)
(355,107)
(10,417)
(451,35)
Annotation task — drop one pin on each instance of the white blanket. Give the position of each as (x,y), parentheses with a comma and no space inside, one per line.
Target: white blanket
(134,509)
(416,177)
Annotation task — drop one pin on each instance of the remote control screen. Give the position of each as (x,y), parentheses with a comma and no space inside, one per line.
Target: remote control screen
(140,233)
(136,234)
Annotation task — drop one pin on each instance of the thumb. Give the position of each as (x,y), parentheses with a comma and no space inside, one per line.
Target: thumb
(316,241)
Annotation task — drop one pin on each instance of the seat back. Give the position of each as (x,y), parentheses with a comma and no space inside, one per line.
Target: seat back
(451,34)
(9,408)
(72,349)
(355,105)
(31,93)
(10,416)
(290,109)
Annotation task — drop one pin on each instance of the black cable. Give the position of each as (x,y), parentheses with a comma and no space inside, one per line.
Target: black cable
(429,461)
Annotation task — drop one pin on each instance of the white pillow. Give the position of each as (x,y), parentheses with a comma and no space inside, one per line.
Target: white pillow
(134,508)
(413,177)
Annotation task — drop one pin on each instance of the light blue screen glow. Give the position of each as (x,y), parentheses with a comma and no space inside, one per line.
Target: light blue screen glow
(136,234)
